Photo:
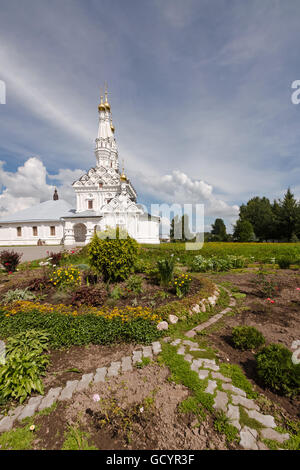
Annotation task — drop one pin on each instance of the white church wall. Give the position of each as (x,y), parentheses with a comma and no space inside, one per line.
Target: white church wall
(9,233)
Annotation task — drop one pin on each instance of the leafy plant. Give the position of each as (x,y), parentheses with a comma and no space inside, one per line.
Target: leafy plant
(247,337)
(166,269)
(266,287)
(25,364)
(214,263)
(277,371)
(55,258)
(10,260)
(181,284)
(113,258)
(66,277)
(134,284)
(223,426)
(284,262)
(18,294)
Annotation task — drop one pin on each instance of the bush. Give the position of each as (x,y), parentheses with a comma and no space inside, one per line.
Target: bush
(247,337)
(66,277)
(166,269)
(113,258)
(55,258)
(181,285)
(10,260)
(284,262)
(277,371)
(214,263)
(25,363)
(134,284)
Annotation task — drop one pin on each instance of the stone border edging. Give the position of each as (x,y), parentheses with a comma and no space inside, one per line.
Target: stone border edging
(41,402)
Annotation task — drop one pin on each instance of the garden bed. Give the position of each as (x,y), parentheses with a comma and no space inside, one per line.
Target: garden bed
(278,322)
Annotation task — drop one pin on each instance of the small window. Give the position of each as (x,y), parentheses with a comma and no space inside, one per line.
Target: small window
(19,231)
(35,231)
(90,204)
(100,185)
(52,230)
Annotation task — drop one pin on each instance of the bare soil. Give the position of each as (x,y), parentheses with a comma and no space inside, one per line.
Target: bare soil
(138,410)
(278,322)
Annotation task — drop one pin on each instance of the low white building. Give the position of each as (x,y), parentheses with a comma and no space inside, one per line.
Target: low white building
(104,198)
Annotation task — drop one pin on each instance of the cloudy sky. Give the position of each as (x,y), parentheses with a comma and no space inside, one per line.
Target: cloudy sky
(200,93)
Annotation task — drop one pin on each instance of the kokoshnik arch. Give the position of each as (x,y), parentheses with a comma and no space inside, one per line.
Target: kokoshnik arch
(105,197)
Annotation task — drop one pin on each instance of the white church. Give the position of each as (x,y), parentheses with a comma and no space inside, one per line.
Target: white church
(105,198)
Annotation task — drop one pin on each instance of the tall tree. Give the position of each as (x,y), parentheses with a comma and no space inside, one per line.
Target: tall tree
(243,231)
(219,230)
(258,211)
(288,216)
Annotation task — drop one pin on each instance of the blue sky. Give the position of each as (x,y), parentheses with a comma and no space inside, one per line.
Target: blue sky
(200,93)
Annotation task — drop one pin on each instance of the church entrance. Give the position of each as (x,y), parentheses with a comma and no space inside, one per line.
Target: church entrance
(80,233)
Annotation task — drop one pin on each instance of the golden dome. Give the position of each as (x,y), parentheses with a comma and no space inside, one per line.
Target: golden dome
(123,176)
(101,106)
(107,105)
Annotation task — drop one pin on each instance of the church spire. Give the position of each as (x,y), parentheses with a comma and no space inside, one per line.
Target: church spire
(55,195)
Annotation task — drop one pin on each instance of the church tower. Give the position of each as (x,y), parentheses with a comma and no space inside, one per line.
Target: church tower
(104,182)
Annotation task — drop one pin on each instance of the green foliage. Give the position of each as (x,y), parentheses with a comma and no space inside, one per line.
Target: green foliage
(219,230)
(114,258)
(243,231)
(143,363)
(284,262)
(10,260)
(68,330)
(266,286)
(18,294)
(134,284)
(17,439)
(247,337)
(166,269)
(235,373)
(277,371)
(75,439)
(214,263)
(66,277)
(25,363)
(223,426)
(116,293)
(181,284)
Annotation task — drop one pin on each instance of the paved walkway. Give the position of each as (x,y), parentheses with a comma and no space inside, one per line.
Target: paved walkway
(31,253)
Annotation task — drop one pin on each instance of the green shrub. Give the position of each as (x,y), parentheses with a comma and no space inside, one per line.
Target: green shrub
(214,263)
(68,330)
(284,262)
(181,285)
(277,371)
(113,258)
(134,284)
(247,337)
(10,260)
(25,364)
(166,269)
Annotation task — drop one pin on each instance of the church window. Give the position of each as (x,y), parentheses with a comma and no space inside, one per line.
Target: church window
(19,231)
(52,230)
(100,185)
(90,204)
(35,231)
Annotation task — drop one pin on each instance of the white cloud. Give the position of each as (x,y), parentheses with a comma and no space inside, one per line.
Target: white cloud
(28,186)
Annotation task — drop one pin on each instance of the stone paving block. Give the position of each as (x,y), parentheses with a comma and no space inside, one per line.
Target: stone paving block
(16,411)
(173,319)
(190,344)
(176,342)
(262,446)
(248,438)
(209,364)
(7,423)
(221,401)
(100,375)
(113,369)
(83,384)
(267,420)
(156,346)
(246,402)
(190,334)
(137,356)
(203,308)
(167,339)
(50,398)
(234,389)
(269,433)
(30,408)
(212,385)
(181,351)
(218,375)
(147,352)
(188,358)
(126,364)
(203,374)
(233,412)
(67,392)
(196,364)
